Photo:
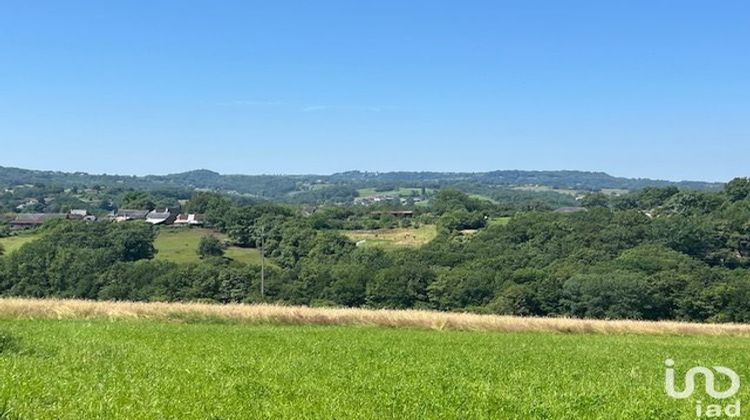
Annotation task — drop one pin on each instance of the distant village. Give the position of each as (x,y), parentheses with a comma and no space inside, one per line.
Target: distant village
(376,199)
(155,217)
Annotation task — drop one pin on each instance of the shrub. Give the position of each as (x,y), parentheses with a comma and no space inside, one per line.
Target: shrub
(210,246)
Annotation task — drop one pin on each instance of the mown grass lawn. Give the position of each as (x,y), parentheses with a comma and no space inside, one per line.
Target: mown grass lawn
(155,369)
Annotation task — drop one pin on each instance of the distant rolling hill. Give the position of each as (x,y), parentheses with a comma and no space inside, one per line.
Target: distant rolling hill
(343,186)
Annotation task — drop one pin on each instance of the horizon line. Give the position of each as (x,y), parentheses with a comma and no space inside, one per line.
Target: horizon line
(361,171)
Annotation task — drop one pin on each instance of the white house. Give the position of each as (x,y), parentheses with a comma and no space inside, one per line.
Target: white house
(189,219)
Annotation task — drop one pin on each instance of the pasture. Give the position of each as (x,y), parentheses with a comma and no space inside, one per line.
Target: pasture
(393,238)
(12,243)
(545,188)
(176,244)
(127,362)
(498,221)
(180,245)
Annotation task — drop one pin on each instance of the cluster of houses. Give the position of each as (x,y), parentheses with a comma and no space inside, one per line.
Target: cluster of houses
(155,217)
(374,199)
(159,217)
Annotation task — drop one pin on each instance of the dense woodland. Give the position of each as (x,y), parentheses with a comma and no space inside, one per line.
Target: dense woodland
(657,253)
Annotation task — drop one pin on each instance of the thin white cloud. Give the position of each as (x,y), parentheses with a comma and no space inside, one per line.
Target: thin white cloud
(307,108)
(249,102)
(365,108)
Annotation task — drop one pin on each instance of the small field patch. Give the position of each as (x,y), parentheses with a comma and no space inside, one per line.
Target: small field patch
(499,221)
(393,238)
(12,243)
(545,188)
(180,245)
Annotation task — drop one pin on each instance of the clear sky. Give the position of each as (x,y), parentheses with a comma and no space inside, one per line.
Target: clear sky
(651,88)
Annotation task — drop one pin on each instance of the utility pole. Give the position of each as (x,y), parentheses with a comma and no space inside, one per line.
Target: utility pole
(262,264)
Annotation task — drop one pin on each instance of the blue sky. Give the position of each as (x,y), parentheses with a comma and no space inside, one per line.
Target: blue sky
(656,89)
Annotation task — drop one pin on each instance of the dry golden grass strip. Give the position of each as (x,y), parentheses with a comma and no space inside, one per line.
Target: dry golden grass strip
(82,309)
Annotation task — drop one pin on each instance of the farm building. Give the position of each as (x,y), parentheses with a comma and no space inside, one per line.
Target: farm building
(28,220)
(129,214)
(161,217)
(81,214)
(77,214)
(185,219)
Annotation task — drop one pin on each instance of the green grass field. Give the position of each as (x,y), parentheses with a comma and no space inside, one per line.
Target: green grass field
(499,221)
(12,243)
(70,369)
(393,238)
(545,188)
(180,245)
(173,244)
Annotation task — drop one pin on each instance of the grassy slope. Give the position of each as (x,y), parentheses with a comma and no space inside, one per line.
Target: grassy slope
(12,243)
(393,238)
(499,221)
(544,188)
(180,245)
(154,369)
